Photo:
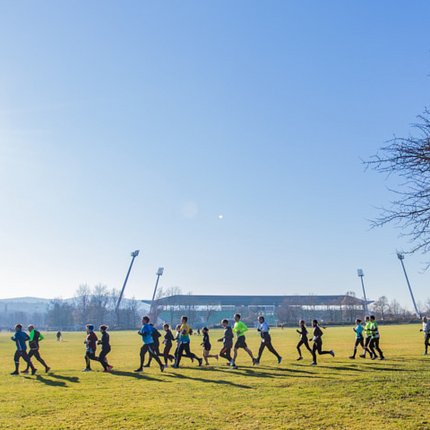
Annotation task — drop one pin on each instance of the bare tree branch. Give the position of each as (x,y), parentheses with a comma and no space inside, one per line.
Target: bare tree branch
(409,159)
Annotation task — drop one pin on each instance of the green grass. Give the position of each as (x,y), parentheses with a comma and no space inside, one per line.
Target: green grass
(338,394)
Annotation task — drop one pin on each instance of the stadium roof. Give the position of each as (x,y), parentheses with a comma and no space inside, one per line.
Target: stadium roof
(308,300)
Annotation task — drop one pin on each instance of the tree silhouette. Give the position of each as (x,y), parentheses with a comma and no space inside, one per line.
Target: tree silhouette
(409,159)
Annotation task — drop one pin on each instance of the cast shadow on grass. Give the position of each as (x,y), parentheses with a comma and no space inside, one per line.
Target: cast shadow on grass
(73,379)
(364,368)
(352,365)
(294,373)
(277,373)
(289,369)
(211,381)
(136,375)
(389,369)
(246,371)
(395,362)
(49,382)
(341,368)
(251,372)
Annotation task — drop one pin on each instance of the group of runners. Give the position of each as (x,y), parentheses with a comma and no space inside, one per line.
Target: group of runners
(33,337)
(366,335)
(369,345)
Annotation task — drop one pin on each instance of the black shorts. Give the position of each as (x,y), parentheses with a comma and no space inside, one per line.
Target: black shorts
(265,337)
(19,354)
(105,351)
(207,346)
(240,343)
(91,355)
(359,341)
(148,347)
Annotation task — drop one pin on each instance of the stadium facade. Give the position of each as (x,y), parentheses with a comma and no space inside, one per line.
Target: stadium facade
(278,310)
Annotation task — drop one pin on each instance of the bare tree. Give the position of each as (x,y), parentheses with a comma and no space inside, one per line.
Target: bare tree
(172,291)
(82,303)
(99,300)
(60,315)
(395,309)
(380,306)
(113,298)
(409,159)
(131,315)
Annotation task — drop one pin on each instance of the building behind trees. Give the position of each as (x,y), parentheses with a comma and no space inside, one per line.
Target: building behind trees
(278,310)
(97,305)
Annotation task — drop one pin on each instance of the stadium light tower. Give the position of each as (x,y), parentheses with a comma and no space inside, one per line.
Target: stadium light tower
(401,257)
(360,274)
(134,254)
(159,274)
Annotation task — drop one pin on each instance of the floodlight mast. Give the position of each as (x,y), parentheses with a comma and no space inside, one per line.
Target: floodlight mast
(134,254)
(159,274)
(360,274)
(401,257)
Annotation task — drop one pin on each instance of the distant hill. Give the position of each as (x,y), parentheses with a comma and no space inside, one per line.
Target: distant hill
(32,305)
(29,305)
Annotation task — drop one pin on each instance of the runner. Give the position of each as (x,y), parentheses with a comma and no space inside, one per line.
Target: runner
(374,342)
(367,329)
(20,338)
(426,331)
(168,343)
(240,328)
(266,340)
(91,346)
(207,346)
(148,344)
(227,341)
(105,343)
(303,332)
(317,346)
(184,343)
(178,342)
(359,340)
(34,338)
(156,346)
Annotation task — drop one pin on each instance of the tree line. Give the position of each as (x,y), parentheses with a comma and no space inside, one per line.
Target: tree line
(95,305)
(383,308)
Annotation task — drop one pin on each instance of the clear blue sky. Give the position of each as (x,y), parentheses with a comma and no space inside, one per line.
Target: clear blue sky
(133,125)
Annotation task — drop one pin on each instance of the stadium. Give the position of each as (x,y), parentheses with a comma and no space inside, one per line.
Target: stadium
(278,310)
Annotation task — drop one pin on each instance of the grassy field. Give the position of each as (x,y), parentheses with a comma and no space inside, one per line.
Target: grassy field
(338,394)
